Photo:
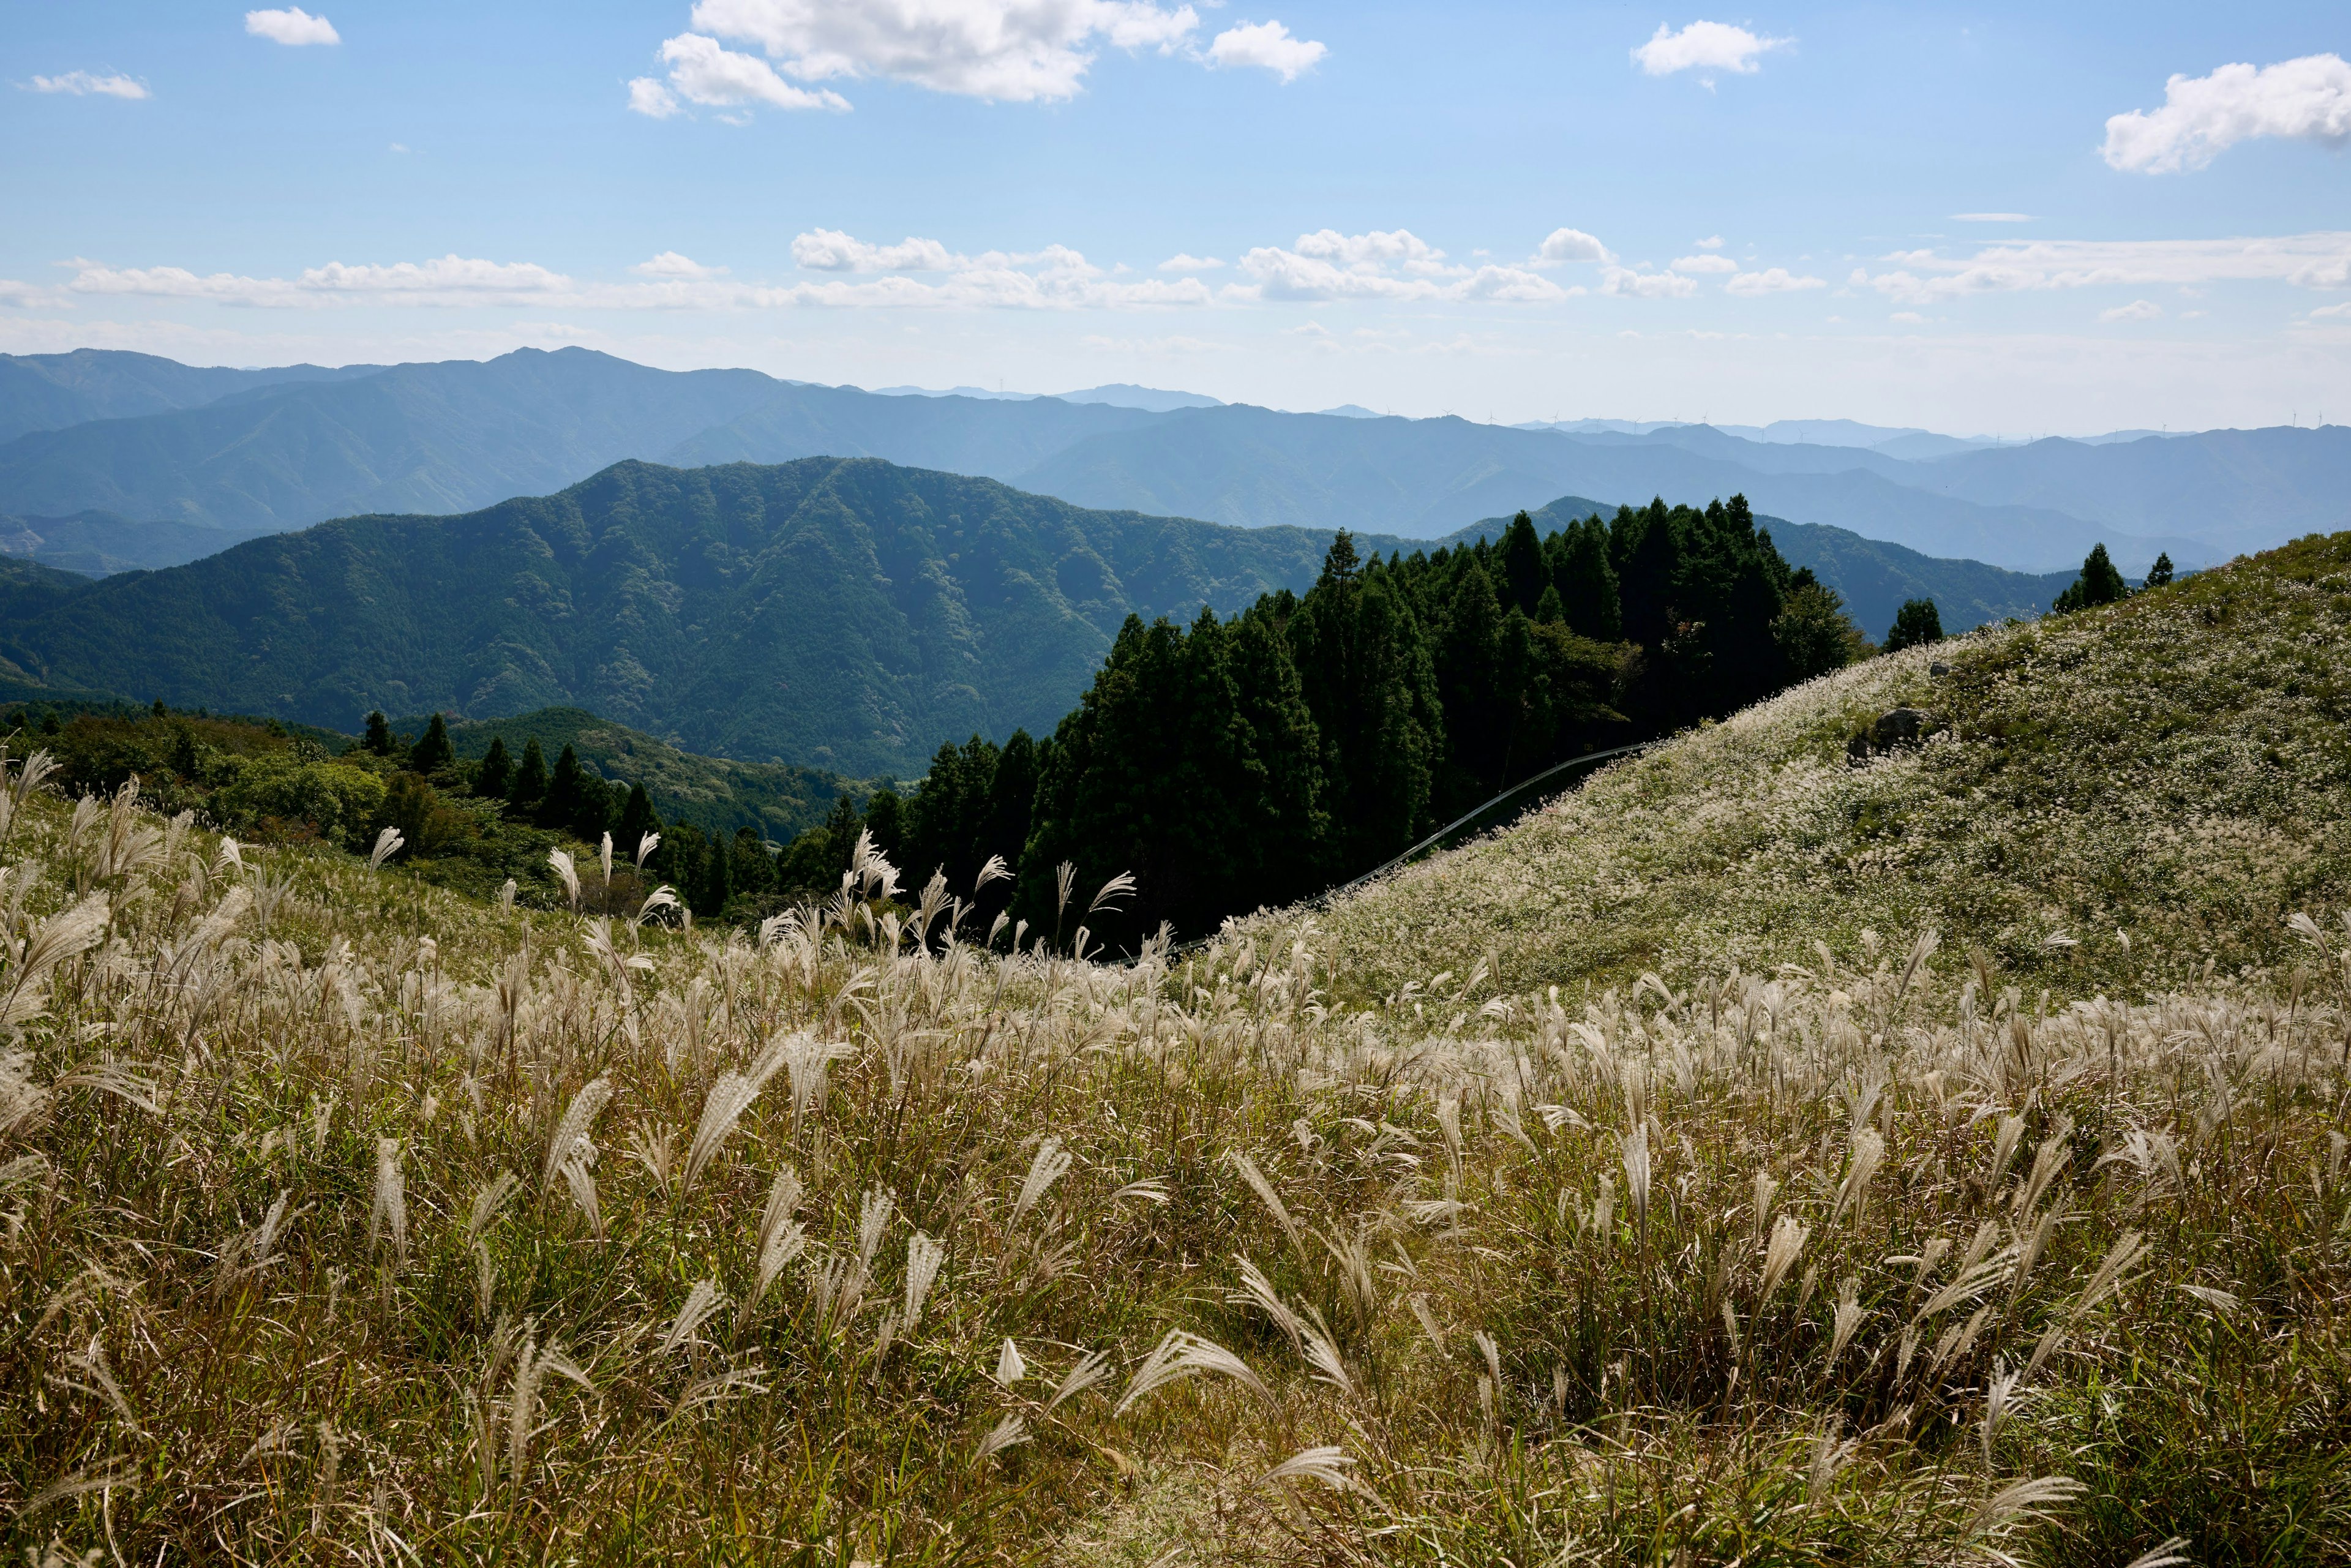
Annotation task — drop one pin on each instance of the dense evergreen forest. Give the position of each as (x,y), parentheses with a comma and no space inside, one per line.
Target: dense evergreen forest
(1233,763)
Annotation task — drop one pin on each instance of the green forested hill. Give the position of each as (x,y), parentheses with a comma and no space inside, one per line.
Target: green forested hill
(714,793)
(847,614)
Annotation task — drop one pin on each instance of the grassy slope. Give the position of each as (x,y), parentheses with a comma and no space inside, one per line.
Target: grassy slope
(1878,1261)
(2174,768)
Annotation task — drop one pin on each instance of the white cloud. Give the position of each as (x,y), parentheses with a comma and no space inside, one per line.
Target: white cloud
(1184,261)
(652,99)
(1704,45)
(398,147)
(2136,310)
(1510,285)
(1705,262)
(1265,43)
(2323,312)
(1055,279)
(705,71)
(1773,280)
(829,250)
(1907,317)
(293,26)
(1711,241)
(1016,50)
(2306,100)
(1632,285)
(669,263)
(2320,260)
(1391,265)
(1991,217)
(1174,344)
(83,83)
(1562,245)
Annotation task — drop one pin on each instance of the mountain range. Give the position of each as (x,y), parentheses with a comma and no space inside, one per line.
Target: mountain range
(241,451)
(845,614)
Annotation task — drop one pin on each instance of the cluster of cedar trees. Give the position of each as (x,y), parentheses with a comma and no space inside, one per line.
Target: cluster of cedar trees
(1254,760)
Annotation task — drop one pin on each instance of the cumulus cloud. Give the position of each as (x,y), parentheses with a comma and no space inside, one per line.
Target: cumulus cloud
(2136,310)
(1389,264)
(1711,241)
(84,84)
(1184,261)
(1055,278)
(703,70)
(1562,245)
(1628,284)
(669,263)
(1018,51)
(1772,280)
(293,26)
(2306,100)
(829,250)
(1705,47)
(1705,261)
(2319,260)
(649,96)
(1267,45)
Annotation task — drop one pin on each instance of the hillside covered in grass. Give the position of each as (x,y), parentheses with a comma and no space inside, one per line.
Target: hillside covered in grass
(345,1218)
(2112,799)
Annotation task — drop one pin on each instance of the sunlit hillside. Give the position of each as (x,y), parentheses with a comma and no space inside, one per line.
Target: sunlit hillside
(1732,1166)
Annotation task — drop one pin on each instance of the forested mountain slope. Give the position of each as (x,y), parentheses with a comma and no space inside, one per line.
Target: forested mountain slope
(2110,800)
(848,614)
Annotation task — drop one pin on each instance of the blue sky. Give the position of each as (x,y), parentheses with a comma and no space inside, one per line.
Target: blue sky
(1507,211)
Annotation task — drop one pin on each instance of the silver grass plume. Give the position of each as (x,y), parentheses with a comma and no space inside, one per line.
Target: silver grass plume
(700,1302)
(1787,1244)
(388,844)
(780,1238)
(571,1131)
(1051,1164)
(566,872)
(1012,1429)
(1179,1355)
(1088,1371)
(488,1202)
(391,1214)
(1009,1368)
(1327,1464)
(1868,1150)
(923,1258)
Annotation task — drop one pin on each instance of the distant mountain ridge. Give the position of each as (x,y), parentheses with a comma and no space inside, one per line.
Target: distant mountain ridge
(52,392)
(460,436)
(843,613)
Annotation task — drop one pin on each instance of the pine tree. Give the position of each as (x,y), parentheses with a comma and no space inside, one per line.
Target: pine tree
(379,734)
(1524,572)
(570,804)
(637,818)
(2099,583)
(1589,602)
(1469,683)
(529,786)
(1550,609)
(1365,667)
(885,819)
(1917,622)
(433,752)
(1011,800)
(1813,633)
(494,776)
(2159,574)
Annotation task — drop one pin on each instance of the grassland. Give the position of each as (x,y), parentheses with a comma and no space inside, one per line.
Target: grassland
(346,1218)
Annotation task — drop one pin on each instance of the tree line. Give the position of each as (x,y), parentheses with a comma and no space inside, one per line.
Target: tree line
(1255,760)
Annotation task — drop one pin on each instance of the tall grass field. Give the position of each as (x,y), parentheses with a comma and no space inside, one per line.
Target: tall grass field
(1786,1149)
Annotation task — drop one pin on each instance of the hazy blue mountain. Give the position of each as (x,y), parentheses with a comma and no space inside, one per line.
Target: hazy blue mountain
(50,391)
(452,436)
(98,544)
(847,614)
(1873,577)
(950,392)
(995,438)
(1125,394)
(427,437)
(2241,489)
(1350,411)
